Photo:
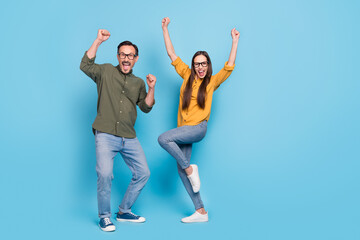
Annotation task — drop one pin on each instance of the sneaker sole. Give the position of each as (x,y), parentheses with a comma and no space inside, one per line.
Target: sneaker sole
(129,220)
(196,188)
(108,229)
(195,221)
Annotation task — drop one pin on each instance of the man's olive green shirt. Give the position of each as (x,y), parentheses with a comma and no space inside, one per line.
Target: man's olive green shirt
(118,95)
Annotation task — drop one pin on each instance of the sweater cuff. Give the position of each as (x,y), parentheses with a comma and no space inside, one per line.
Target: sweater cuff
(176,61)
(229,68)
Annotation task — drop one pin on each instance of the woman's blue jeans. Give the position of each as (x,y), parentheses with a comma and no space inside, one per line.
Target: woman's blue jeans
(178,142)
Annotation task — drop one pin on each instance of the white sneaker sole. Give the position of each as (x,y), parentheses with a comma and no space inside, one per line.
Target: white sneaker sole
(140,220)
(194,179)
(194,221)
(108,228)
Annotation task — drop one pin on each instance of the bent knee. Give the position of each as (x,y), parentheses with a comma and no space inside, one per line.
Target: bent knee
(105,176)
(163,140)
(146,174)
(104,171)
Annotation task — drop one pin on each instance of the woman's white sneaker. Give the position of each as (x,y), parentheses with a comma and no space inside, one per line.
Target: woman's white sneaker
(194,178)
(196,217)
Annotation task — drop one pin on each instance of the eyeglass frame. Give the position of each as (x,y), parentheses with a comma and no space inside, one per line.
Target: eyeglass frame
(127,55)
(201,63)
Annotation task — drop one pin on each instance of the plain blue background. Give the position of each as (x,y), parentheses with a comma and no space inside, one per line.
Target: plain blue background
(281,156)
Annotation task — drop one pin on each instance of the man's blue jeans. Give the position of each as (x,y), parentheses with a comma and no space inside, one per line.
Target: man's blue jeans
(178,142)
(107,146)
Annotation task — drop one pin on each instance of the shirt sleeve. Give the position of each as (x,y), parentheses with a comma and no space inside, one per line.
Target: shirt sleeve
(222,75)
(141,101)
(181,68)
(90,68)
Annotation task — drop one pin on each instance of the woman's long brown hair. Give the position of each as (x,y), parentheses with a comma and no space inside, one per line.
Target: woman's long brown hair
(202,89)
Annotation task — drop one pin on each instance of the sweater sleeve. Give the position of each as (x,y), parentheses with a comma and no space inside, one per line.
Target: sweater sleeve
(181,68)
(222,75)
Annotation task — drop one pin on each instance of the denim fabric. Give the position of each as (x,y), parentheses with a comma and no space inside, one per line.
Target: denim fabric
(107,146)
(178,142)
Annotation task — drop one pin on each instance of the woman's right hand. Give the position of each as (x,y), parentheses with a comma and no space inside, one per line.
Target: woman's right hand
(165,22)
(168,44)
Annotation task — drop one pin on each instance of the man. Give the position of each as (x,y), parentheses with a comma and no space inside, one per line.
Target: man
(119,91)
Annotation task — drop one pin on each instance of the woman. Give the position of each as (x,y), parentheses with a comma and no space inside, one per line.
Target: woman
(194,111)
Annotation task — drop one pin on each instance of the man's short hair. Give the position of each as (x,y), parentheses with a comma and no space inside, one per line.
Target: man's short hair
(128,43)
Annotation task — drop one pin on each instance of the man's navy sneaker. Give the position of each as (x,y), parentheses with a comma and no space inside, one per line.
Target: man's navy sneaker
(106,225)
(129,217)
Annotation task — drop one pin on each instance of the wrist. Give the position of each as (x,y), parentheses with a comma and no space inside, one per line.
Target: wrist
(98,41)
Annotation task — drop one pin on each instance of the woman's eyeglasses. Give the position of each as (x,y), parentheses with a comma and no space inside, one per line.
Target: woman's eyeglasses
(197,64)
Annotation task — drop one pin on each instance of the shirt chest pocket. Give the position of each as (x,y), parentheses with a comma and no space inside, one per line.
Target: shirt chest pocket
(132,92)
(125,88)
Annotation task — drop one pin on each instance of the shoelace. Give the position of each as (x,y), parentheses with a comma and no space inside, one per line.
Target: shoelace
(107,221)
(131,214)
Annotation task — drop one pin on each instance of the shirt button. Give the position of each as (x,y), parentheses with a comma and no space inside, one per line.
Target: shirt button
(117,122)
(123,91)
(121,101)
(120,111)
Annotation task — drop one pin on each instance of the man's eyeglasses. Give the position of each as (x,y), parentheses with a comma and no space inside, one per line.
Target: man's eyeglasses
(197,64)
(130,55)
